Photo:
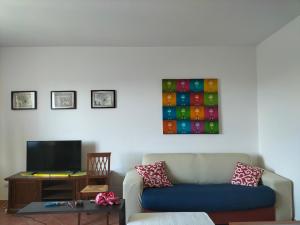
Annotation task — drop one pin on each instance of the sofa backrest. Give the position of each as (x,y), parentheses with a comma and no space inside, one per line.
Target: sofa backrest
(200,168)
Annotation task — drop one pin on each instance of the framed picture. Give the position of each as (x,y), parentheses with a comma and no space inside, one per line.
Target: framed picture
(63,99)
(103,98)
(21,100)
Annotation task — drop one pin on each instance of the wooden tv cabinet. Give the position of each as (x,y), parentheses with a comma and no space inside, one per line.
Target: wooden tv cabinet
(25,189)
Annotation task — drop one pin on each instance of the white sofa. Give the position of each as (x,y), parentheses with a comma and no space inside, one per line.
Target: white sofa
(206,168)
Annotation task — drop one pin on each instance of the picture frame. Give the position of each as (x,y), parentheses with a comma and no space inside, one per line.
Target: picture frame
(63,100)
(23,100)
(103,99)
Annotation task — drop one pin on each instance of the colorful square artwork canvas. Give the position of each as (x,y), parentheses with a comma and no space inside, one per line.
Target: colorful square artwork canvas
(190,106)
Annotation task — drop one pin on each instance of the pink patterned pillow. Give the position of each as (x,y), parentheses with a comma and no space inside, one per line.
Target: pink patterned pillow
(246,175)
(154,175)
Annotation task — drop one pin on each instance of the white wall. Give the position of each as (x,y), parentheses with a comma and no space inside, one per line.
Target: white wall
(135,126)
(278,63)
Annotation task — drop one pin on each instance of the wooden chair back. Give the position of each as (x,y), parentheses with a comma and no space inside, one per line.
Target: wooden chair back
(98,165)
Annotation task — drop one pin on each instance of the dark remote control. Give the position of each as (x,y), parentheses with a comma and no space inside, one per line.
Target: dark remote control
(79,203)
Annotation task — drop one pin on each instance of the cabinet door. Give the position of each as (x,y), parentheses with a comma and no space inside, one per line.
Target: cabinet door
(24,192)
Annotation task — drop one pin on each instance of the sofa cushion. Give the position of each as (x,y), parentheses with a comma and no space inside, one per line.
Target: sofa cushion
(199,168)
(207,198)
(246,175)
(217,168)
(154,175)
(180,166)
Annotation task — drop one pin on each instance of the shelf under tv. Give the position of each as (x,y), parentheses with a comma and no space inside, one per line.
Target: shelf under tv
(57,190)
(57,196)
(59,187)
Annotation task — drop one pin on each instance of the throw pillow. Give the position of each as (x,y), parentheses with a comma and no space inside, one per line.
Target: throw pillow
(154,175)
(246,175)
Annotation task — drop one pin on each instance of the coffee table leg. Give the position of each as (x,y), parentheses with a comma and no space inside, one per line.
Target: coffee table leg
(79,216)
(122,215)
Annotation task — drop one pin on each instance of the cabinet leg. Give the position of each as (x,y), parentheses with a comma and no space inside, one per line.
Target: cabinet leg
(79,216)
(107,218)
(122,215)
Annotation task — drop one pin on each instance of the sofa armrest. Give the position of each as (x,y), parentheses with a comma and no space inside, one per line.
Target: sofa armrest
(284,197)
(132,191)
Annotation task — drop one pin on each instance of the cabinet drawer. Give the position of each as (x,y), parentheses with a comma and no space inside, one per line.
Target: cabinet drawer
(25,192)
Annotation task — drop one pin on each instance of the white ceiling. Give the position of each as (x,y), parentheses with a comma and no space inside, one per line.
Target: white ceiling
(142,22)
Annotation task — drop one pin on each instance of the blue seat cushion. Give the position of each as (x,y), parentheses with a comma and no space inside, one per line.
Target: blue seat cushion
(207,198)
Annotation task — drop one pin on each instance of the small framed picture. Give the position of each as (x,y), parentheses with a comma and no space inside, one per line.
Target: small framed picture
(21,100)
(103,98)
(63,99)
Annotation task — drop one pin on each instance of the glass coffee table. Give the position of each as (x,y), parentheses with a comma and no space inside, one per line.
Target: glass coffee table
(88,207)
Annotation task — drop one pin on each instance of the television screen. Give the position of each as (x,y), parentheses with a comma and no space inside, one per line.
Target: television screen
(53,156)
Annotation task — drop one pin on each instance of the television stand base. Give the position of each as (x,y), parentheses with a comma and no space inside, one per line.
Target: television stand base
(25,188)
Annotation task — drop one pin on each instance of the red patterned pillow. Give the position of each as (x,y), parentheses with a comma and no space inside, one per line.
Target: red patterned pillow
(246,175)
(154,175)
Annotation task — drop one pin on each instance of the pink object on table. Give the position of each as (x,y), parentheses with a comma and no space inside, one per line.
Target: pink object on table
(107,198)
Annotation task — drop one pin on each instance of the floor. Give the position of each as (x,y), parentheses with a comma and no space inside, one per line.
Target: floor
(53,219)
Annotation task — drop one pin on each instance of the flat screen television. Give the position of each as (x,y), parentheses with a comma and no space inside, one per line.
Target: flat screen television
(48,156)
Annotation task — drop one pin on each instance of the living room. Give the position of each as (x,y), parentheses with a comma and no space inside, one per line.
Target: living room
(251,47)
